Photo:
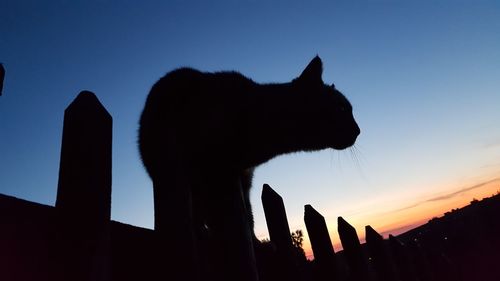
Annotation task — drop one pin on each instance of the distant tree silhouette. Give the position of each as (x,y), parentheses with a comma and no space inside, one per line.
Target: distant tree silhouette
(297,238)
(297,241)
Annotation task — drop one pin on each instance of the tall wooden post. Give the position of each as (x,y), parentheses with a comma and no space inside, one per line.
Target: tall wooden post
(324,255)
(84,190)
(381,260)
(352,250)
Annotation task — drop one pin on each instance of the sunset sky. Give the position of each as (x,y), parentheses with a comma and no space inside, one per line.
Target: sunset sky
(423,78)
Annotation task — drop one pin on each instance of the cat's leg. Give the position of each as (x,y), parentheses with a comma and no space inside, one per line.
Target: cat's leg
(174,221)
(246,178)
(264,252)
(230,239)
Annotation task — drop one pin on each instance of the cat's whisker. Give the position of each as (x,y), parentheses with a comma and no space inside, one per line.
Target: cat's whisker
(331,158)
(339,161)
(353,155)
(356,156)
(358,152)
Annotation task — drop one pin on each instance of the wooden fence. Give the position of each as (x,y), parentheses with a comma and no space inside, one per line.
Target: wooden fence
(83,251)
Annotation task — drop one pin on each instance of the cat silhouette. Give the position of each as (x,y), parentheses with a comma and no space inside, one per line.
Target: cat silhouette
(199,127)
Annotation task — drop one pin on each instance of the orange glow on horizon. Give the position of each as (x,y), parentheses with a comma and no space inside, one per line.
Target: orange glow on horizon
(396,219)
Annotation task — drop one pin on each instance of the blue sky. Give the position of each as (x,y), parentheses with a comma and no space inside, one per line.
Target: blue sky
(423,77)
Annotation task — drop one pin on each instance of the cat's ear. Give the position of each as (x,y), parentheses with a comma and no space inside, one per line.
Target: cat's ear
(313,71)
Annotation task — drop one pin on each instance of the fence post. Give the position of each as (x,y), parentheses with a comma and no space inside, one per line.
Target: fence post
(83,200)
(324,254)
(279,231)
(356,261)
(381,260)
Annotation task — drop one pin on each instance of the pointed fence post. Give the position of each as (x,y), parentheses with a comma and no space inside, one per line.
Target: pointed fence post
(279,231)
(355,258)
(84,190)
(324,254)
(381,260)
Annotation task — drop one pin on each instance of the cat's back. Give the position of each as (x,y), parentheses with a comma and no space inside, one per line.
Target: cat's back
(176,84)
(187,103)
(185,85)
(158,118)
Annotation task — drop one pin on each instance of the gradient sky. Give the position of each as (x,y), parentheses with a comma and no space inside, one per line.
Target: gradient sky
(423,77)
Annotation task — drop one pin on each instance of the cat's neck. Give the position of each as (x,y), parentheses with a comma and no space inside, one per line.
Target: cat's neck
(272,123)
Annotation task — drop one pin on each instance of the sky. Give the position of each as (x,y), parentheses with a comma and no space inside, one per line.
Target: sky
(422,76)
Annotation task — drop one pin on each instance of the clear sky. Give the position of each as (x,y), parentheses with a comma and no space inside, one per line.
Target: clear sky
(423,77)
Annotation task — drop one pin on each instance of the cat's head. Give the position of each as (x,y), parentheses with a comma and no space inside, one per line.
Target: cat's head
(325,110)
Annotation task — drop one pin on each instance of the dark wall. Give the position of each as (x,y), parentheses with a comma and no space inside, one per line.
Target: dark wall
(31,237)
